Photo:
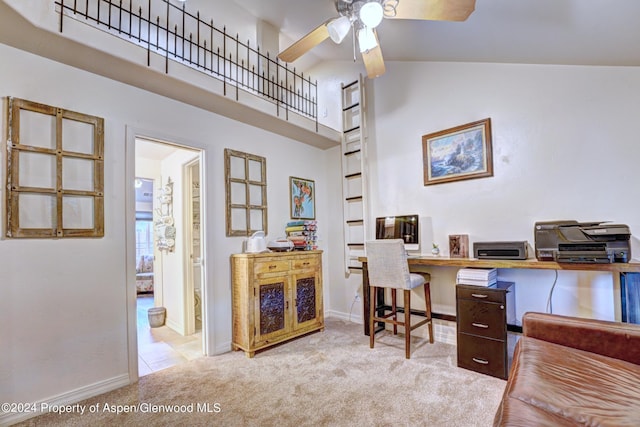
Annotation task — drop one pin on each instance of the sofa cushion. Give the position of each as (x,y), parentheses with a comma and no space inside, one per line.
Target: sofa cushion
(581,387)
(513,412)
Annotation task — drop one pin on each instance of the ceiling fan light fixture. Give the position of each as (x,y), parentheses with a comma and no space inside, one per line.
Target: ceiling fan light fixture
(366,39)
(371,14)
(339,28)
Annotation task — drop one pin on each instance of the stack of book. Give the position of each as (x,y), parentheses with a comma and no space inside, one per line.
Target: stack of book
(477,276)
(303,234)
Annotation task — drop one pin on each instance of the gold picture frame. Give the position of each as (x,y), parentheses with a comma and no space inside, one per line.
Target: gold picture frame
(459,153)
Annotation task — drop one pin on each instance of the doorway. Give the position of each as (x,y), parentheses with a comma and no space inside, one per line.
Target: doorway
(168,224)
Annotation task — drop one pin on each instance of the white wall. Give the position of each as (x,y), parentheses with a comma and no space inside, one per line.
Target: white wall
(556,132)
(63,303)
(565,146)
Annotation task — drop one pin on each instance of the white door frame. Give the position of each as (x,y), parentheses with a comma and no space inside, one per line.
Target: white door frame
(189,290)
(131,133)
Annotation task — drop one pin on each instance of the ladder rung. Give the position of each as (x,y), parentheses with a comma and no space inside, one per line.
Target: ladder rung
(350,84)
(353,175)
(352,129)
(349,153)
(351,106)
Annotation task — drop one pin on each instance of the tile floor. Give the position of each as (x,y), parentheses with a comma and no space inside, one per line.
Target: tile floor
(160,348)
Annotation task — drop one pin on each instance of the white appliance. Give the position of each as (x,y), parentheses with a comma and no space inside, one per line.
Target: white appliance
(256,243)
(280,245)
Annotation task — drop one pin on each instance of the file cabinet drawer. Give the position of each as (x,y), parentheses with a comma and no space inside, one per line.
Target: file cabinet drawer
(482,355)
(479,293)
(484,319)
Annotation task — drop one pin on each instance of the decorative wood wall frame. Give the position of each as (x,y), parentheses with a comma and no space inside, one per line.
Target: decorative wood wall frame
(55,172)
(246,193)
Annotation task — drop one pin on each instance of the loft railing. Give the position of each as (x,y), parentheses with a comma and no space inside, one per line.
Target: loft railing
(174,33)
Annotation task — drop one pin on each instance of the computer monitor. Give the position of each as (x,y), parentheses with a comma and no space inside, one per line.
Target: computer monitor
(403,227)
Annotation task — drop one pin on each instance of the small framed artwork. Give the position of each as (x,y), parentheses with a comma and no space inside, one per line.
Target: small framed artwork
(459,245)
(302,198)
(462,152)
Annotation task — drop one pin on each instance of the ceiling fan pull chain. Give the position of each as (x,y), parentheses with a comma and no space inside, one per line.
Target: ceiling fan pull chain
(353,38)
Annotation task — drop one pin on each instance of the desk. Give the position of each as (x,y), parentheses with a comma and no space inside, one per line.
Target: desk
(429,261)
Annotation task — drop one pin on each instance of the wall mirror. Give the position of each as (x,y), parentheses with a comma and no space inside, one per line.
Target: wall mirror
(55,172)
(246,193)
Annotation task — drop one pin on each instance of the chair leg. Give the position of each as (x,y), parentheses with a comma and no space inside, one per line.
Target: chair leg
(427,300)
(407,323)
(372,304)
(394,305)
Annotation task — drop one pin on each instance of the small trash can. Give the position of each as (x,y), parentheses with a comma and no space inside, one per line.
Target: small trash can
(156,316)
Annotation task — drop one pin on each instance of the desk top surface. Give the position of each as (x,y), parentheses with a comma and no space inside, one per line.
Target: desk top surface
(534,264)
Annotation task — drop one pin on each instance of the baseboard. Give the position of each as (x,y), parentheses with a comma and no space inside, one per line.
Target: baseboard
(343,316)
(177,327)
(224,347)
(68,398)
(443,331)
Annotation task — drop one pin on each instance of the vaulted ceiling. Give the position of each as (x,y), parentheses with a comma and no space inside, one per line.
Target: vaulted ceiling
(576,32)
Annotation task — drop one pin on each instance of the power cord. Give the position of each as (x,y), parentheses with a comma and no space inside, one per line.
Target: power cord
(549,302)
(356,298)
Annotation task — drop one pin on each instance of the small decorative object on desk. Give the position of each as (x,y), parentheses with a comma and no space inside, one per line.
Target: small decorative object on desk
(435,250)
(303,234)
(459,245)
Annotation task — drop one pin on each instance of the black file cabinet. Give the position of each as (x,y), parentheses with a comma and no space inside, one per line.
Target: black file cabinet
(482,328)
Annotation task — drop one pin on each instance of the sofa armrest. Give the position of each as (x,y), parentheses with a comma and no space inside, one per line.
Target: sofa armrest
(612,339)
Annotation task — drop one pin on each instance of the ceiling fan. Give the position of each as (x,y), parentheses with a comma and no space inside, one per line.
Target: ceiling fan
(363,16)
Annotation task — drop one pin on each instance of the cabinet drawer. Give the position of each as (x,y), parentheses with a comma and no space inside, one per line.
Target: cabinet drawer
(482,355)
(272,266)
(479,293)
(487,319)
(304,263)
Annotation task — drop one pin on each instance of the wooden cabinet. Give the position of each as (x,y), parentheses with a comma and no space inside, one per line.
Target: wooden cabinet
(482,328)
(277,296)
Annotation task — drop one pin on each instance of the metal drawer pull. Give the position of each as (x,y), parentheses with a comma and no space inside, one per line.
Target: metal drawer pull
(480,325)
(480,361)
(479,295)
(271,267)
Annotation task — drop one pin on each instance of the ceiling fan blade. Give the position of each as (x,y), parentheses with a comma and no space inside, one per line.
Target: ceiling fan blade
(373,61)
(433,10)
(305,44)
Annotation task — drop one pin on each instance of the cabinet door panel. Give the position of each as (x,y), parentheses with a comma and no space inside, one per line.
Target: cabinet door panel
(305,299)
(271,309)
(308,302)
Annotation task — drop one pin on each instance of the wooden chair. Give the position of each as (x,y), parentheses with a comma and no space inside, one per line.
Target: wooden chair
(388,268)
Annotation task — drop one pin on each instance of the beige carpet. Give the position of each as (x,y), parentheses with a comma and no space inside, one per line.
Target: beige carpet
(328,378)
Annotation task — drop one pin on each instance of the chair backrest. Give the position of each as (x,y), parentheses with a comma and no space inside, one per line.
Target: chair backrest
(387,263)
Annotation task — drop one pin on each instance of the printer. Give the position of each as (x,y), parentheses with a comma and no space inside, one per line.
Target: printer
(582,242)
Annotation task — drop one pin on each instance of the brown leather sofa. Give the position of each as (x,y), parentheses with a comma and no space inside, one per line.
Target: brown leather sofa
(570,371)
